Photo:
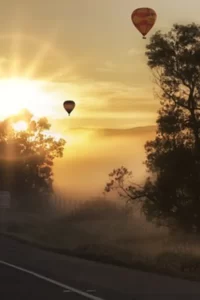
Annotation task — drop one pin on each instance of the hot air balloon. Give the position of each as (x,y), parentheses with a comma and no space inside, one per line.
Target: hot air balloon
(69,106)
(144,19)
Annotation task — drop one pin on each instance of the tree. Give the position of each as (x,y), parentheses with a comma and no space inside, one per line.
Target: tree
(26,159)
(171,193)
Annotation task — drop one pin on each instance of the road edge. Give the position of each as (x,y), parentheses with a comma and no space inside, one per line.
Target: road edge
(99,259)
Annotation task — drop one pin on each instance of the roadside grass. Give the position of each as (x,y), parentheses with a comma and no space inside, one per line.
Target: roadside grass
(107,232)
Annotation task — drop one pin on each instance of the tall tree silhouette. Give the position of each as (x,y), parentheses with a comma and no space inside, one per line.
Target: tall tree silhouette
(171,193)
(26,159)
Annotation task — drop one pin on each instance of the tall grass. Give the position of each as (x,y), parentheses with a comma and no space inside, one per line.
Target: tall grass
(103,229)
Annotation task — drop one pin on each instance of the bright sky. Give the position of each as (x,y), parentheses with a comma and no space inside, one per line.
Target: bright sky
(89,51)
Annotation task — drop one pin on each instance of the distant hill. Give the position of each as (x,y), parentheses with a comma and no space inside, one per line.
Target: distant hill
(119,132)
(129,131)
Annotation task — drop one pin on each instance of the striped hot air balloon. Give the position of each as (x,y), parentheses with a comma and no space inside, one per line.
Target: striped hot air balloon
(144,19)
(69,106)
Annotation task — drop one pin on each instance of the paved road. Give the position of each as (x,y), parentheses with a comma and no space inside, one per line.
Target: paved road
(17,285)
(30,273)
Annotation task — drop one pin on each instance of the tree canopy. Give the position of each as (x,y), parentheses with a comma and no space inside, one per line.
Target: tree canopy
(26,159)
(171,193)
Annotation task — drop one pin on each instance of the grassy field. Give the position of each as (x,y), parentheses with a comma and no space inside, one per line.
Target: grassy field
(108,232)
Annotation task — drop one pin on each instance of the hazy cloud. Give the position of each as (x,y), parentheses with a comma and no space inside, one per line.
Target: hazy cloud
(108,66)
(122,104)
(135,52)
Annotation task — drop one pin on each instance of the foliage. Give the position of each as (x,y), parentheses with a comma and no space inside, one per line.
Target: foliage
(171,196)
(26,159)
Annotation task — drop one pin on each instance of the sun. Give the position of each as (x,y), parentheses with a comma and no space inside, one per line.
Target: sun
(19,93)
(20,126)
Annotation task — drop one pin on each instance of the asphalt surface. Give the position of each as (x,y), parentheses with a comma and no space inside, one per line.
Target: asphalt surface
(17,285)
(30,273)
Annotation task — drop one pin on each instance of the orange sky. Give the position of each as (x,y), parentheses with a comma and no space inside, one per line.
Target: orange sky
(88,51)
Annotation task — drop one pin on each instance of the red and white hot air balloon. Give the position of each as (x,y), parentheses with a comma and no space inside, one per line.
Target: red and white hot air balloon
(144,19)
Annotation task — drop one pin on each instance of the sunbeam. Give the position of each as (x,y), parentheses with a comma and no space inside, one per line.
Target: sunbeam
(20,93)
(42,52)
(33,67)
(15,54)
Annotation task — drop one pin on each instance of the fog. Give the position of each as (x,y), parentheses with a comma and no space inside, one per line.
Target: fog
(91,154)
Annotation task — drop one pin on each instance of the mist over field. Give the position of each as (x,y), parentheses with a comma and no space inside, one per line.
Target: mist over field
(82,93)
(91,154)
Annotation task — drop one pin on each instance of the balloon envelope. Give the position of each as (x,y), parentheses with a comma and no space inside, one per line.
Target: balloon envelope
(144,19)
(69,106)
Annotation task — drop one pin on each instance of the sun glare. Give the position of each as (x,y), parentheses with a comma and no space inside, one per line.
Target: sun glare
(20,126)
(17,94)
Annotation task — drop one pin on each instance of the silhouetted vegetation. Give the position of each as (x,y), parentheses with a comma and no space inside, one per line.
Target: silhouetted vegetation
(170,196)
(105,231)
(26,160)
